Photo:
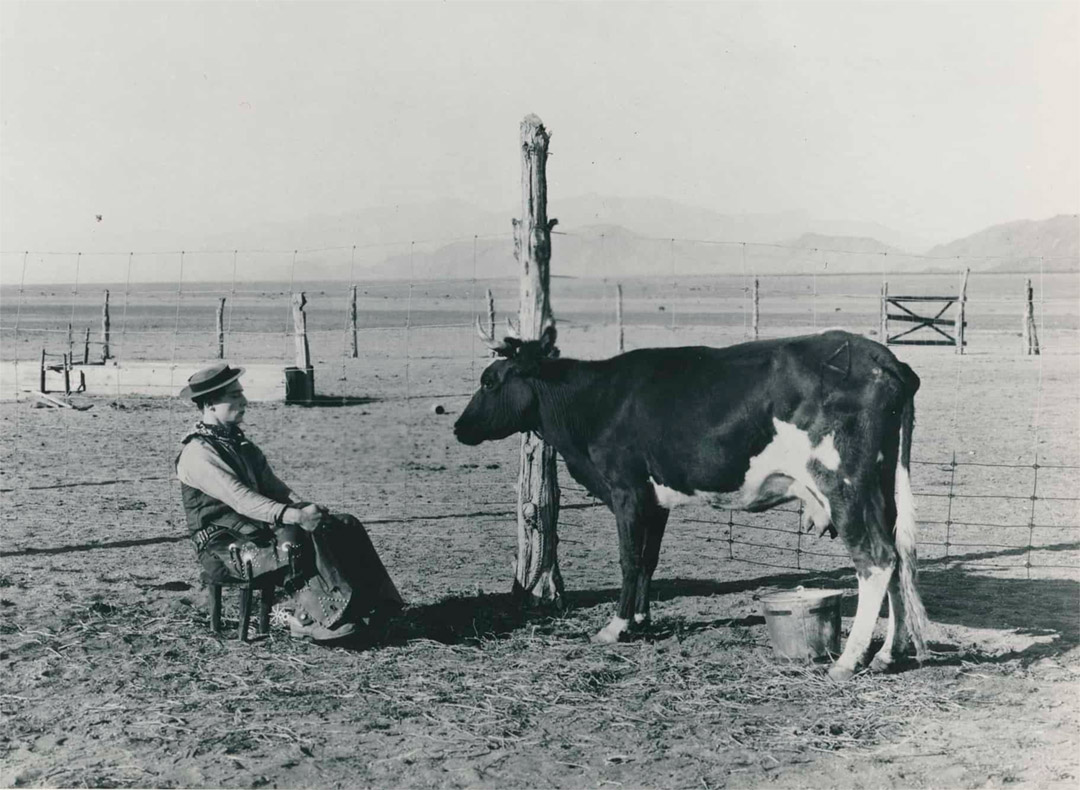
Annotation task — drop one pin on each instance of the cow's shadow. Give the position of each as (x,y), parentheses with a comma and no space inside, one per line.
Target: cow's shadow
(1045,608)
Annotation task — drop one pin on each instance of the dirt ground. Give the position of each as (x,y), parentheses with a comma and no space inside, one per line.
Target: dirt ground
(110,676)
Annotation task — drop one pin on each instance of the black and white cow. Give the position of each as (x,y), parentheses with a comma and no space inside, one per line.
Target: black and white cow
(825,419)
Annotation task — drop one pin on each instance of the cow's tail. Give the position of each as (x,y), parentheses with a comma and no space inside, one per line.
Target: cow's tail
(917,621)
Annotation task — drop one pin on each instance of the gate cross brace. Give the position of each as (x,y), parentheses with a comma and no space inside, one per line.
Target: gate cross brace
(923,321)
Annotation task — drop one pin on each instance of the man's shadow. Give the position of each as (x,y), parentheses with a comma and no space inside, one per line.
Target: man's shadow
(952,594)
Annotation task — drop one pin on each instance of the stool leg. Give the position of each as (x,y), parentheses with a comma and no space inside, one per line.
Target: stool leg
(214,594)
(266,598)
(245,609)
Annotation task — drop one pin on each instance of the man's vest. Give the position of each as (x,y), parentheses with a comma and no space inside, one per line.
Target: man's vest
(204,511)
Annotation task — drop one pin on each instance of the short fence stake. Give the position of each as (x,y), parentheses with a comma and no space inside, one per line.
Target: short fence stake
(220,323)
(1031,337)
(105,355)
(961,324)
(884,322)
(352,322)
(755,316)
(618,318)
(86,348)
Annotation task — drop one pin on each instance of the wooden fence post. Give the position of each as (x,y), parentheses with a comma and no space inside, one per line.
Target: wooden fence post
(86,348)
(961,323)
(105,333)
(618,317)
(352,322)
(220,324)
(41,372)
(1031,336)
(755,316)
(491,314)
(536,572)
(301,386)
(883,327)
(70,342)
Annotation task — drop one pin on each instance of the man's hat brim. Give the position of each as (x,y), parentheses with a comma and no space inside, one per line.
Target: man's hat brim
(210,380)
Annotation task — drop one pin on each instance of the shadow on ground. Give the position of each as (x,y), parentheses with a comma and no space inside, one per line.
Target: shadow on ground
(334,400)
(953,595)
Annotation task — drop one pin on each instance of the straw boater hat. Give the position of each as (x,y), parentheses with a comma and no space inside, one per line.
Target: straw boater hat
(209,379)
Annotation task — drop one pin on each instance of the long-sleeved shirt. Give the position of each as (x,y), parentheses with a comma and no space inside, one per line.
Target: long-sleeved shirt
(262,497)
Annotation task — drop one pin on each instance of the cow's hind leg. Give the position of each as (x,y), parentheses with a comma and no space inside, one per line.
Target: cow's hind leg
(632,509)
(864,532)
(656,523)
(896,637)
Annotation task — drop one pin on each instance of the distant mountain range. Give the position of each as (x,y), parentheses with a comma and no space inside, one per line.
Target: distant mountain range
(1020,245)
(612,250)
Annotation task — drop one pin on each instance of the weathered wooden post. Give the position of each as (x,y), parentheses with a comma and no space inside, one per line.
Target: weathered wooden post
(618,317)
(71,341)
(67,374)
(491,313)
(300,380)
(756,313)
(105,355)
(219,323)
(352,322)
(883,329)
(1031,337)
(86,348)
(961,323)
(41,374)
(536,573)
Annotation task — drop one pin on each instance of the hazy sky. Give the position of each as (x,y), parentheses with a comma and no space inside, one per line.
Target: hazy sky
(932,118)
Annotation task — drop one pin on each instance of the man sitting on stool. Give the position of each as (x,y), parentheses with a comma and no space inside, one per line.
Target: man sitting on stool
(246,523)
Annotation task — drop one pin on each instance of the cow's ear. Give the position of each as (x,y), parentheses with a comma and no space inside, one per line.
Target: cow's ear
(547,341)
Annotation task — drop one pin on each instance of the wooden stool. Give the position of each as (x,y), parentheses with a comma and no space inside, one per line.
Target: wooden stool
(266,598)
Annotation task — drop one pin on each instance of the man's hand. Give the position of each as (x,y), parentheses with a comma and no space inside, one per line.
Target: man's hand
(308,517)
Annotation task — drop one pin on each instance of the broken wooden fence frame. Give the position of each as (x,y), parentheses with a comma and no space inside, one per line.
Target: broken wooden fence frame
(65,367)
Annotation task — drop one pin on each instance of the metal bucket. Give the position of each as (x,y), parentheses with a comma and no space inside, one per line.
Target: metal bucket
(299,385)
(804,625)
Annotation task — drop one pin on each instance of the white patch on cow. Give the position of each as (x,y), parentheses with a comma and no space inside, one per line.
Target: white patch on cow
(880,456)
(788,455)
(609,634)
(670,498)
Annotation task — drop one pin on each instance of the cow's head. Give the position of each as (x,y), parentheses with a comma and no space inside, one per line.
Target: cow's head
(506,402)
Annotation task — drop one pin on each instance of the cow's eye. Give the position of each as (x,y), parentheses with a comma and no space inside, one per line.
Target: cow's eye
(487,383)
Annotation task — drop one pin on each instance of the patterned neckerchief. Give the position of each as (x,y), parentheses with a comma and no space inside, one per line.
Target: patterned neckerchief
(229,435)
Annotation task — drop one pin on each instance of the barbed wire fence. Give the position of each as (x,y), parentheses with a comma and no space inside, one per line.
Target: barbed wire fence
(417,349)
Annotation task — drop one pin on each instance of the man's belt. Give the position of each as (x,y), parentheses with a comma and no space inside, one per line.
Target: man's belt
(205,535)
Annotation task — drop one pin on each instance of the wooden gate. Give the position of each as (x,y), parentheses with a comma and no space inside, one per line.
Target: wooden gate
(944,331)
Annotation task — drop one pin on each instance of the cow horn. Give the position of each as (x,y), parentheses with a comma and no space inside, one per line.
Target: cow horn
(487,337)
(513,330)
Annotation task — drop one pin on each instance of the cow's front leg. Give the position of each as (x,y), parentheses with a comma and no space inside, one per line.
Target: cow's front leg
(629,508)
(655,524)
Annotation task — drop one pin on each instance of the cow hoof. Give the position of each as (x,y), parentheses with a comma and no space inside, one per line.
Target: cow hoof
(881,664)
(604,637)
(840,674)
